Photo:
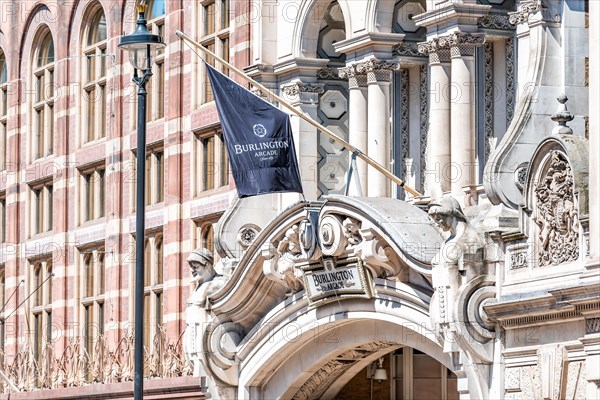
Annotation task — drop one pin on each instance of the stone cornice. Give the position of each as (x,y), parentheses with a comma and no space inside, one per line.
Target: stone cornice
(369,41)
(452,13)
(258,69)
(300,65)
(561,304)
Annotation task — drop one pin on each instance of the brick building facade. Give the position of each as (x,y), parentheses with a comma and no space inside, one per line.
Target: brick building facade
(67,188)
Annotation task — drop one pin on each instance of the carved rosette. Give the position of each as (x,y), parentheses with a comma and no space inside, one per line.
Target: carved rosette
(526,8)
(556,214)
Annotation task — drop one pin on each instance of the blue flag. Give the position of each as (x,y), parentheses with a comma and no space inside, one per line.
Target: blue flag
(258,138)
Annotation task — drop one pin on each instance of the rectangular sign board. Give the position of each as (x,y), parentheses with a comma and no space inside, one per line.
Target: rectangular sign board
(330,280)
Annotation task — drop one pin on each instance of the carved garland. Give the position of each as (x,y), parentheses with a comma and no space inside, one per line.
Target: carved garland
(404,118)
(488,62)
(424,112)
(510,80)
(556,214)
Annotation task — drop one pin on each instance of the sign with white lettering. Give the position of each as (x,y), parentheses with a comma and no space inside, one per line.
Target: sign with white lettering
(328,280)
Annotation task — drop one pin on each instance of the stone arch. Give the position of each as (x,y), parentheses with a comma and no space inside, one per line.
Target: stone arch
(39,21)
(308,21)
(342,337)
(380,15)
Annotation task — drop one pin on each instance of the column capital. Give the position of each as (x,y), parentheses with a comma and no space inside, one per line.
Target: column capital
(377,70)
(355,78)
(462,44)
(299,92)
(437,52)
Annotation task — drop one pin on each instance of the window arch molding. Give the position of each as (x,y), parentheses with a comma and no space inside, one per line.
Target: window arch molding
(40,22)
(4,92)
(83,20)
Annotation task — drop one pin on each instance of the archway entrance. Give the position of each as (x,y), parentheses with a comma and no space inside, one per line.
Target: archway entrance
(405,373)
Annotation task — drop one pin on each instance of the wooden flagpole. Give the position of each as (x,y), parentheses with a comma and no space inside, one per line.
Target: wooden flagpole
(306,117)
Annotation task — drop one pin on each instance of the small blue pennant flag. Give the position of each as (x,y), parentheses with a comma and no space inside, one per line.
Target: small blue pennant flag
(258,138)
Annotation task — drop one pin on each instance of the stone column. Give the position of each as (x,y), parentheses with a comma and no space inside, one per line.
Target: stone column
(306,98)
(379,75)
(463,172)
(438,142)
(357,120)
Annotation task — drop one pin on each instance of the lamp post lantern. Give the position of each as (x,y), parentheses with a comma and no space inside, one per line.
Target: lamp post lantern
(142,46)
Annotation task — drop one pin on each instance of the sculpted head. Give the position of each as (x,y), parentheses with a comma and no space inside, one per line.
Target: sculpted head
(446,212)
(201,265)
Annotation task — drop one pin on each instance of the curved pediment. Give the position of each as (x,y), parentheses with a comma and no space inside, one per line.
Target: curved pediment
(341,244)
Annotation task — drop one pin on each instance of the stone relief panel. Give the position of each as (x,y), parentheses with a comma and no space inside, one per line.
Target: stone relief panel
(552,377)
(555,214)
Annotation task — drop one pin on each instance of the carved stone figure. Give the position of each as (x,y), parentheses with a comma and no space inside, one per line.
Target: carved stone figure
(352,231)
(556,214)
(204,276)
(289,250)
(459,260)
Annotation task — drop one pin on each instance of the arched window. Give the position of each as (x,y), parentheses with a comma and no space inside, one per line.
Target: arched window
(93,125)
(43,104)
(3,109)
(156,86)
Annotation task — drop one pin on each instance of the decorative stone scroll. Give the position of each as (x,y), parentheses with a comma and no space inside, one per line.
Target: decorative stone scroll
(495,21)
(556,214)
(330,73)
(407,49)
(526,8)
(297,88)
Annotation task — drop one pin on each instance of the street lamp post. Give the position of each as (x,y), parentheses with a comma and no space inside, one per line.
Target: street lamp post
(142,46)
